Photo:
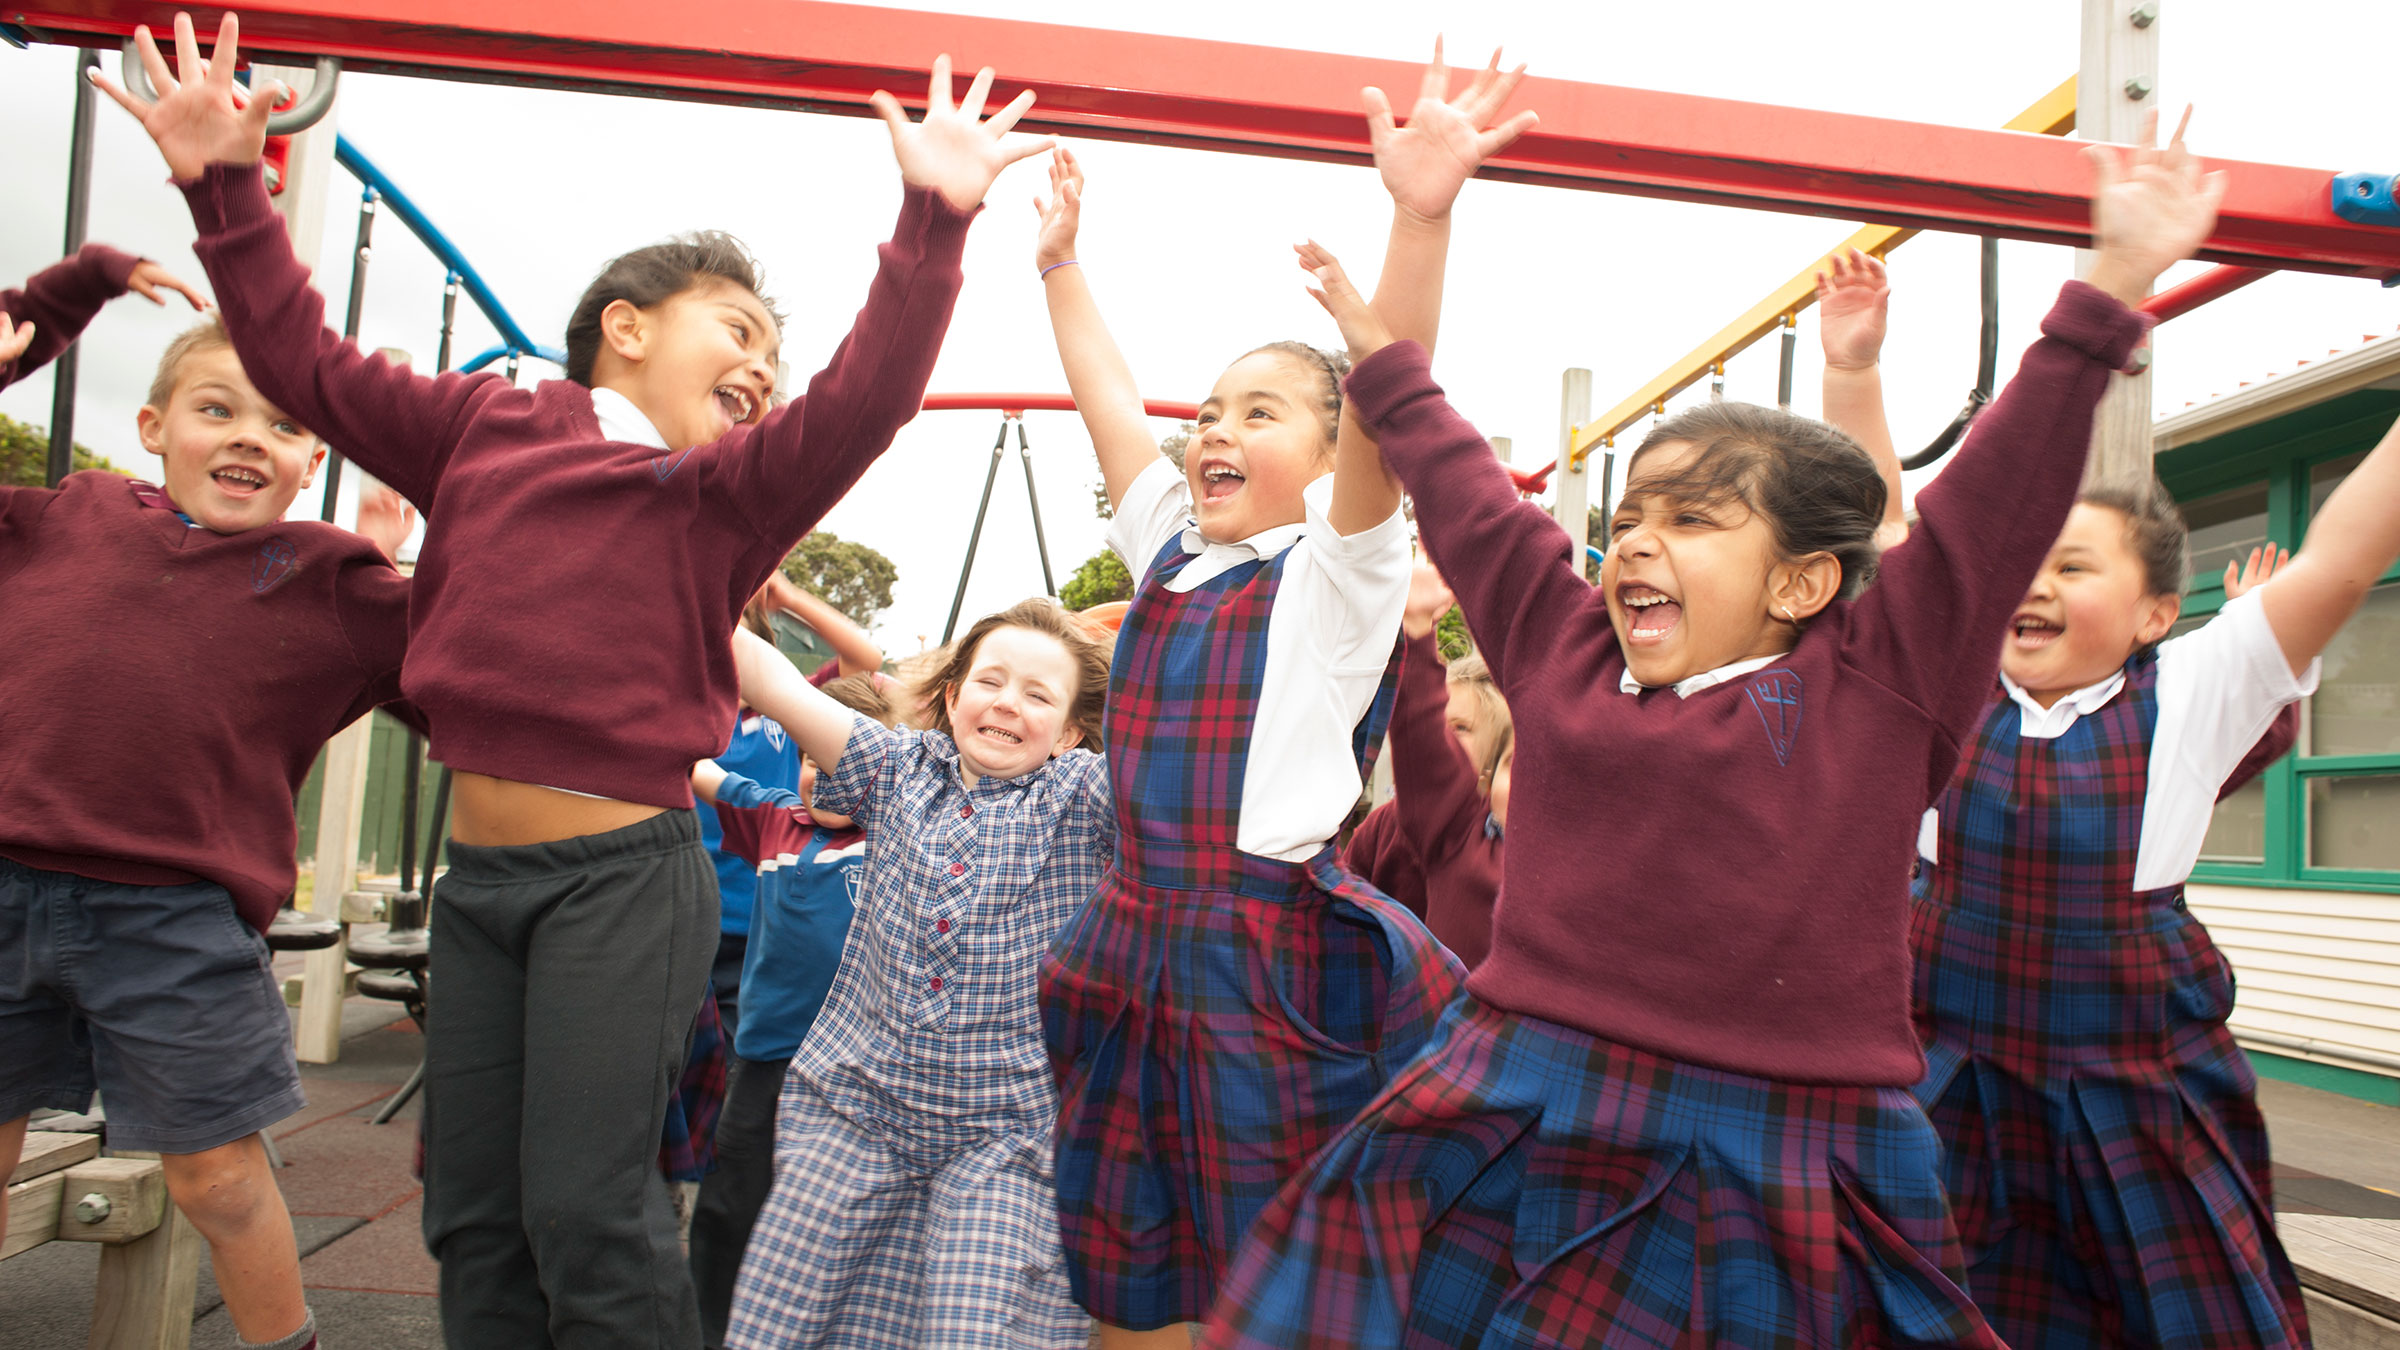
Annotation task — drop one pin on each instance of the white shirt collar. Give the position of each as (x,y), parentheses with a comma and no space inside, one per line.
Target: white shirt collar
(1318,495)
(1707,679)
(2051,722)
(621,421)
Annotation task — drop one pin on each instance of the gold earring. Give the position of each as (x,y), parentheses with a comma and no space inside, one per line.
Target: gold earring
(1787,613)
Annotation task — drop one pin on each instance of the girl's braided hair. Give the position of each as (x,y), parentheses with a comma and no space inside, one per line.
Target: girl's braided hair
(1329,368)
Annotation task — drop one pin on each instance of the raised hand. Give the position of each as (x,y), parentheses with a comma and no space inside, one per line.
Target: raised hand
(386,519)
(201,117)
(1061,212)
(148,279)
(1429,598)
(2151,209)
(1853,304)
(1362,331)
(1446,140)
(2243,578)
(14,338)
(951,151)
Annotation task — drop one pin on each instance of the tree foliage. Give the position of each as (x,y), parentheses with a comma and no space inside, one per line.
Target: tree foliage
(1102,578)
(848,575)
(1595,533)
(1451,636)
(25,455)
(1171,447)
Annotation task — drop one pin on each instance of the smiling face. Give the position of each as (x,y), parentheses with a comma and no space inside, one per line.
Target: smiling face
(1260,438)
(1009,713)
(233,460)
(697,364)
(2088,610)
(1688,583)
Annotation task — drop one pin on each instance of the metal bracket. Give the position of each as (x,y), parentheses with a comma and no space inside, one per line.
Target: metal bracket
(2366,198)
(302,115)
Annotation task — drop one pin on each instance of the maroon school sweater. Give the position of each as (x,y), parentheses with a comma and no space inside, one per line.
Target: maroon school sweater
(1443,812)
(59,300)
(575,598)
(165,687)
(1378,852)
(1723,879)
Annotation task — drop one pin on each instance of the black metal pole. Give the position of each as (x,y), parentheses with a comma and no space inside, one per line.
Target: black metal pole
(358,304)
(79,210)
(436,833)
(1987,363)
(967,568)
(1041,546)
(512,368)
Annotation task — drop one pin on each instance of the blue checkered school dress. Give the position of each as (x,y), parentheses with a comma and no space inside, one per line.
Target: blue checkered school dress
(2107,1161)
(1213,1017)
(912,1205)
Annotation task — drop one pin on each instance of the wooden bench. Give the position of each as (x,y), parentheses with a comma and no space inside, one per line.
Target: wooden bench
(2350,1273)
(63,1191)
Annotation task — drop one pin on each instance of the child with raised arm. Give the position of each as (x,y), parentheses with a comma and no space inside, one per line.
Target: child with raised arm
(1452,746)
(44,316)
(912,1207)
(592,540)
(805,861)
(1231,996)
(138,873)
(1673,1105)
(2108,1162)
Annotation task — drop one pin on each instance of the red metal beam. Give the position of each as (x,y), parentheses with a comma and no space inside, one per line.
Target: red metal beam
(2215,283)
(1013,404)
(1216,95)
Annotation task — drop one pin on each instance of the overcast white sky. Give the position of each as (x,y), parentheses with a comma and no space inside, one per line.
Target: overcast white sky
(1189,250)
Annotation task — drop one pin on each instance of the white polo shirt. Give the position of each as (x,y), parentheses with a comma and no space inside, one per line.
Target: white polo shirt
(1335,622)
(2219,688)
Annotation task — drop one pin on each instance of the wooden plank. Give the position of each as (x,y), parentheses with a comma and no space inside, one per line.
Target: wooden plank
(135,1192)
(144,1297)
(32,1213)
(2378,1238)
(2335,1325)
(2325,1251)
(52,1151)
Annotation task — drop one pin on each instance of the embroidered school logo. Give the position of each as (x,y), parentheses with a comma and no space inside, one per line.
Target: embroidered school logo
(273,564)
(1776,695)
(666,465)
(774,730)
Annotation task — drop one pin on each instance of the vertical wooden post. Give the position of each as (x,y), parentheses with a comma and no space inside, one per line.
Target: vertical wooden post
(146,1286)
(2116,87)
(1572,481)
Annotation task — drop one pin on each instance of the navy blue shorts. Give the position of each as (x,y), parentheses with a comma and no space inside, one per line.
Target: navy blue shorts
(159,996)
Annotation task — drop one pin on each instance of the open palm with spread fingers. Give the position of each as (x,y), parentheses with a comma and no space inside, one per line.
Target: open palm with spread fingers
(1447,139)
(1854,299)
(955,151)
(201,116)
(2151,208)
(1363,331)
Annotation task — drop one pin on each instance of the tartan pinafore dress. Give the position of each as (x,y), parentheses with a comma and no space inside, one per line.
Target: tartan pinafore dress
(2107,1162)
(1213,1017)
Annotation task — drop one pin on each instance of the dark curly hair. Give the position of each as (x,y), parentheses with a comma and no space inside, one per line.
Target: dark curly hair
(651,276)
(2154,530)
(1816,489)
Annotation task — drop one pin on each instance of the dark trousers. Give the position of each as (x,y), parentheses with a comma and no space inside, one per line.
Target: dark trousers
(725,980)
(568,972)
(731,1196)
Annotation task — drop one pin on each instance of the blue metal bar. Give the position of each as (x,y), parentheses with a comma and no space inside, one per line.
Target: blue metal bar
(349,157)
(490,354)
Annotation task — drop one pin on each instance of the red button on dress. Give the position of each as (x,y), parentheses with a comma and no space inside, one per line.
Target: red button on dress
(936,981)
(965,811)
(958,869)
(941,925)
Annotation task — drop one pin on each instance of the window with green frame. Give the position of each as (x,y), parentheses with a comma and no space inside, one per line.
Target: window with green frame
(2326,816)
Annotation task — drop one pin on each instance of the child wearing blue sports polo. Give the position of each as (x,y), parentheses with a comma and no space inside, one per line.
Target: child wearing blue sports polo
(804,863)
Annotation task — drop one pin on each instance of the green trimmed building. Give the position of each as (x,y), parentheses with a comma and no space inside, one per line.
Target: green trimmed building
(2299,880)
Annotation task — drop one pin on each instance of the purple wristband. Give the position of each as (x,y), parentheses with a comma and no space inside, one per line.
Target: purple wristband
(1057,265)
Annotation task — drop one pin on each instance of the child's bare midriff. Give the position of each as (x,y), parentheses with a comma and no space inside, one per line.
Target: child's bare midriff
(502,813)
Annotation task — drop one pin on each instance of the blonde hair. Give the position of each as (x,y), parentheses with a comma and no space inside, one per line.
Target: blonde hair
(208,335)
(859,694)
(1042,615)
(1494,726)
